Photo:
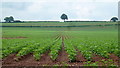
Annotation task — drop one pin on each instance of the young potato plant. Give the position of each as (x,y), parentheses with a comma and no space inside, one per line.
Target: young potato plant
(85,51)
(13,49)
(54,50)
(70,50)
(101,48)
(28,49)
(98,47)
(41,49)
(93,64)
(83,48)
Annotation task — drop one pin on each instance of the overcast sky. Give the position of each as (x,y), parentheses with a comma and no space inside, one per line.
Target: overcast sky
(52,9)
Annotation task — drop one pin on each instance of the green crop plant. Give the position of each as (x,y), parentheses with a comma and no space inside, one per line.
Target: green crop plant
(70,50)
(28,49)
(84,50)
(14,48)
(41,49)
(55,49)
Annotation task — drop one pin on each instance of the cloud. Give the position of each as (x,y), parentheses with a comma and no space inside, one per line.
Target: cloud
(16,5)
(60,0)
(52,9)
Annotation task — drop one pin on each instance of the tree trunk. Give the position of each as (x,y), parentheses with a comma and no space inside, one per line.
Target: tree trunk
(64,20)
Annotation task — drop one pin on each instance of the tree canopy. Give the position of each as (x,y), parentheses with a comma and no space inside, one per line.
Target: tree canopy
(64,17)
(9,19)
(114,19)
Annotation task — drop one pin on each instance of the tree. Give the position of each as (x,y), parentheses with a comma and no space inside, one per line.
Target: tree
(64,17)
(6,19)
(9,19)
(114,19)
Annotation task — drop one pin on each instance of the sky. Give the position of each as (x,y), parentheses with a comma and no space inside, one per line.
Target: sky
(36,10)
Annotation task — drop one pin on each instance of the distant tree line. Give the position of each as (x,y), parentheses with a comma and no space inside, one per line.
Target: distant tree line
(86,21)
(40,21)
(63,17)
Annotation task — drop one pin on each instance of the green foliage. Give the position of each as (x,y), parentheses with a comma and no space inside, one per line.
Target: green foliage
(13,48)
(55,49)
(114,19)
(36,55)
(9,19)
(71,51)
(109,63)
(41,49)
(28,49)
(89,63)
(64,17)
(102,48)
(84,50)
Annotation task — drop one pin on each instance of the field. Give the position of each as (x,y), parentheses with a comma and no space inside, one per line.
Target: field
(59,24)
(60,46)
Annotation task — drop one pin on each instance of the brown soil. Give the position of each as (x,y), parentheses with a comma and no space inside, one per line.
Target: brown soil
(62,59)
(13,37)
(115,59)
(8,60)
(45,59)
(62,56)
(27,60)
(80,57)
(97,58)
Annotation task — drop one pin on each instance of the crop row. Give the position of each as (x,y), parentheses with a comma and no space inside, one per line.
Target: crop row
(14,48)
(55,49)
(90,47)
(69,48)
(87,47)
(21,48)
